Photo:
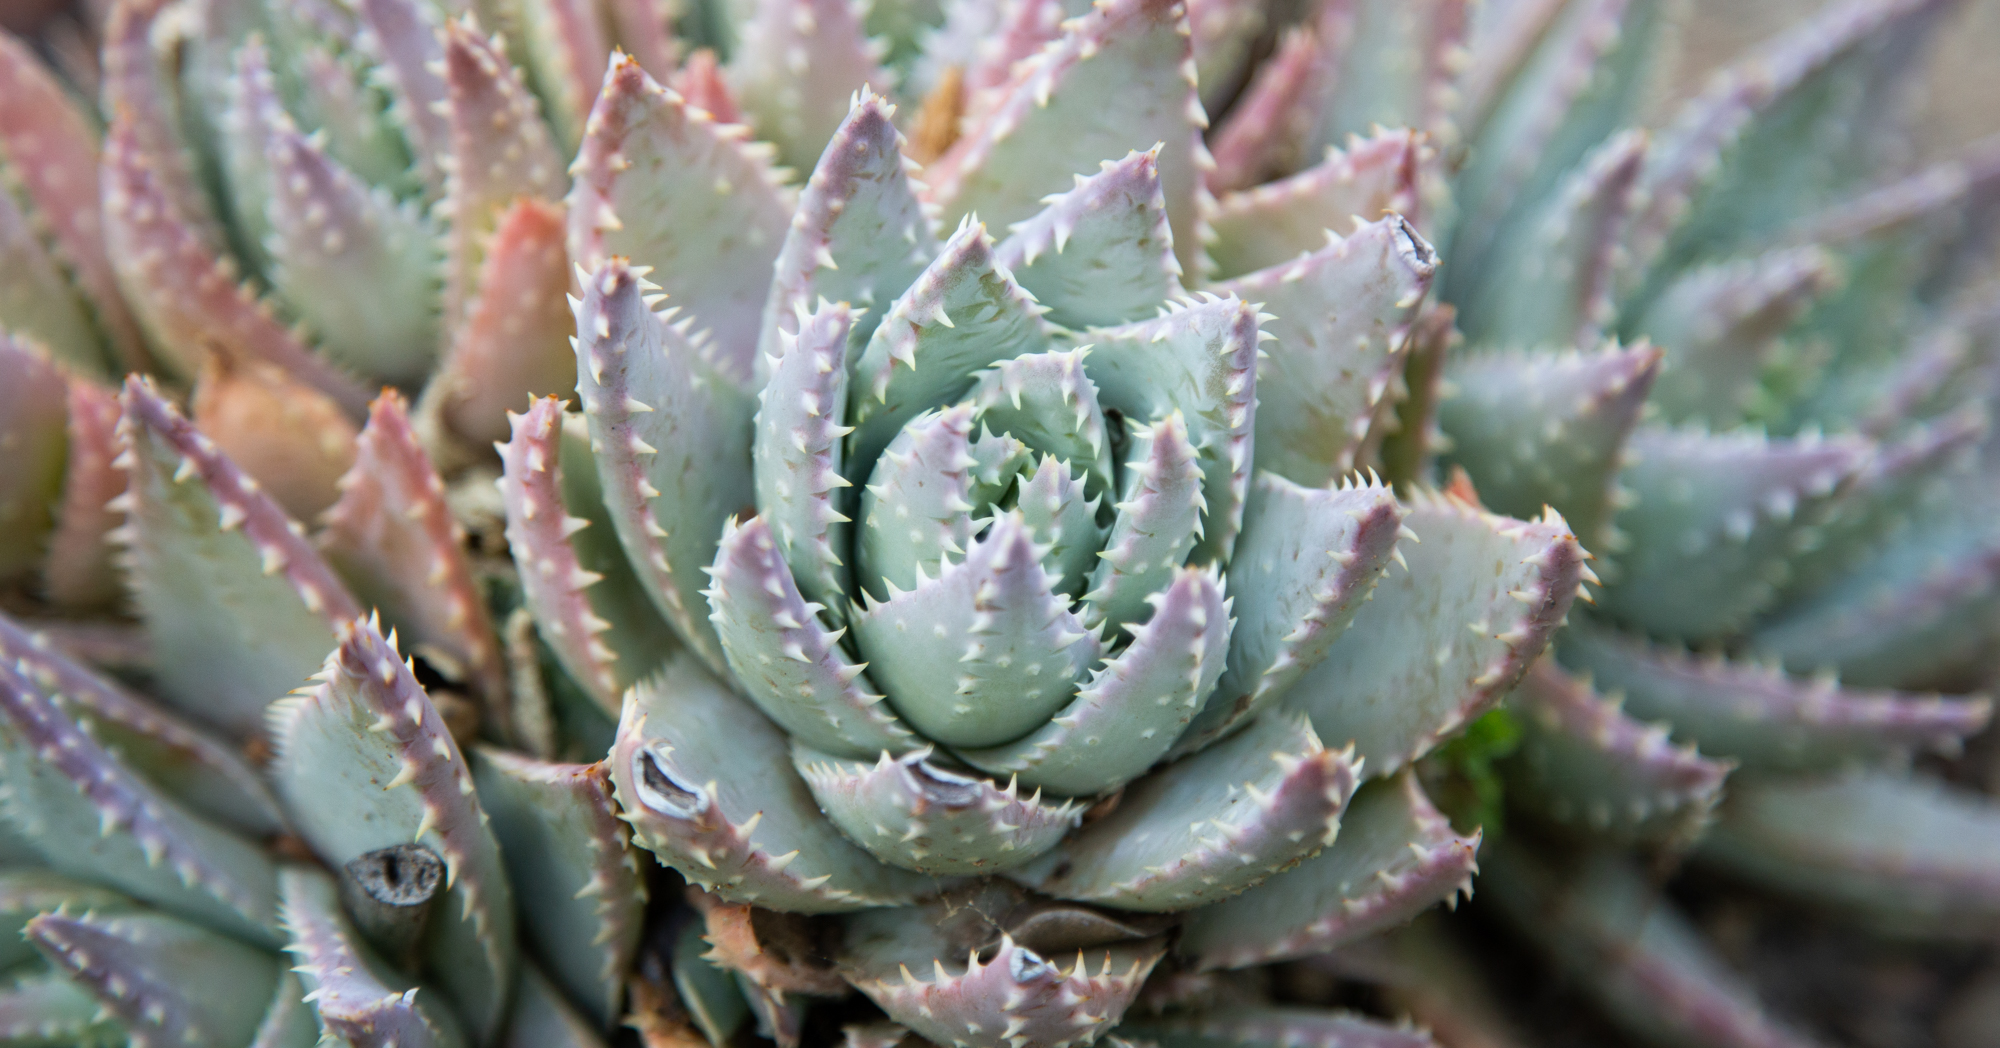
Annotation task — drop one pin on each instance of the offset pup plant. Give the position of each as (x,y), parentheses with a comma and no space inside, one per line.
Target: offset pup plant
(1000,579)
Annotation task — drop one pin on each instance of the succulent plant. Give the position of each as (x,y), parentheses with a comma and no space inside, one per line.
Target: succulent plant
(1020,567)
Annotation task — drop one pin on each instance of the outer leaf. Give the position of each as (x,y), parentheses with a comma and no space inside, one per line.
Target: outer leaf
(1278,221)
(25,893)
(1132,710)
(409,43)
(365,762)
(354,995)
(33,395)
(393,536)
(238,607)
(985,652)
(1209,826)
(53,1009)
(1906,854)
(912,812)
(1444,640)
(1341,326)
(703,777)
(1264,133)
(1396,856)
(560,835)
(1763,717)
(78,571)
(798,451)
(1156,527)
(1120,78)
(664,185)
(1549,429)
(1396,67)
(36,301)
(170,982)
(795,64)
(1102,253)
(672,439)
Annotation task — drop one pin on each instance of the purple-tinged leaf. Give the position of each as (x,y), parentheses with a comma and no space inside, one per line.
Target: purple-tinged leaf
(238,605)
(1396,856)
(646,190)
(138,98)
(1765,718)
(1157,524)
(33,429)
(564,48)
(1264,134)
(1546,428)
(78,572)
(1444,639)
(1397,63)
(799,448)
(925,816)
(1208,826)
(706,783)
(394,539)
(644,30)
(1340,329)
(1278,221)
(365,762)
(1583,761)
(404,36)
(564,845)
(1120,78)
(1225,32)
(51,1008)
(700,84)
(1102,253)
(172,983)
(354,995)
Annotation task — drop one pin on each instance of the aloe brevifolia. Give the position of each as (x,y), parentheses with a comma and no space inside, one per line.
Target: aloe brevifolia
(977,578)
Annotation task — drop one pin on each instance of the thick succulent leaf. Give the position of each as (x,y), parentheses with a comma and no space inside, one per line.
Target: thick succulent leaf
(797,65)
(917,505)
(1263,135)
(1711,520)
(777,953)
(1120,78)
(1445,639)
(51,147)
(205,775)
(1631,950)
(1208,826)
(36,300)
(672,439)
(500,152)
(26,893)
(51,1009)
(860,235)
(1765,718)
(785,659)
(1157,524)
(913,812)
(290,438)
(1052,504)
(973,52)
(1000,997)
(170,982)
(1582,760)
(1102,253)
(1199,360)
(986,651)
(1404,439)
(139,94)
(407,40)
(963,314)
(393,537)
(639,636)
(1552,283)
(1341,328)
(799,450)
(1396,67)
(1273,1027)
(714,1005)
(1719,325)
(78,571)
(554,583)
(564,46)
(644,29)
(34,428)
(1902,853)
(1307,560)
(359,269)
(188,295)
(703,778)
(364,762)
(1751,153)
(1048,401)
(564,846)
(90,817)
(509,341)
(355,996)
(289,1021)
(663,184)
(1278,221)
(1132,709)
(1225,32)
(1549,428)
(1396,856)
(239,607)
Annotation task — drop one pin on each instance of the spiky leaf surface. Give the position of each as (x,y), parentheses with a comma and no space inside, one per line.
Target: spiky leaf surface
(708,786)
(353,993)
(1278,221)
(922,815)
(51,1009)
(365,762)
(171,982)
(1112,227)
(34,425)
(78,571)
